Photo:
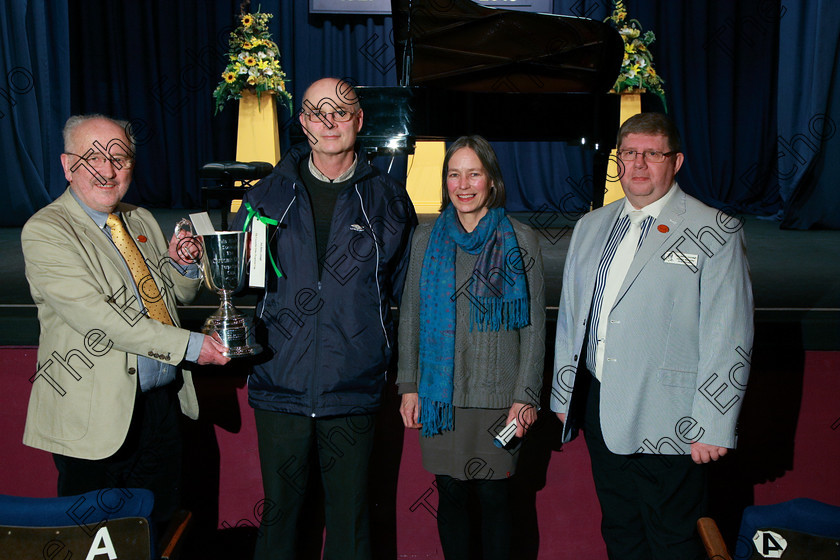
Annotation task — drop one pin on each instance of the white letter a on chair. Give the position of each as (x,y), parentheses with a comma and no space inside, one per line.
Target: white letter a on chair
(102,545)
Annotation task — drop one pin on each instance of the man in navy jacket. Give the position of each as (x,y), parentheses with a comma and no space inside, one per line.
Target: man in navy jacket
(341,245)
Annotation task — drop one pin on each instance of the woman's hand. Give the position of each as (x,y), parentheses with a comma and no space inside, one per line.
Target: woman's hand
(410,410)
(525,415)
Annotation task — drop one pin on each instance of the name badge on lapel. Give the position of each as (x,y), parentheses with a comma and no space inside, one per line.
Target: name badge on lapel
(686,259)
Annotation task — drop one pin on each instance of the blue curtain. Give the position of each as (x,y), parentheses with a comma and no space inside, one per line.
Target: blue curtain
(718,59)
(741,78)
(156,64)
(34,63)
(162,79)
(355,47)
(546,179)
(808,160)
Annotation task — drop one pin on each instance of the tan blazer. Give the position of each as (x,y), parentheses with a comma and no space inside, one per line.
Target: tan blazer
(92,330)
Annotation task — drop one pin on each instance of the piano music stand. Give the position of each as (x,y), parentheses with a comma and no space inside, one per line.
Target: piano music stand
(226,173)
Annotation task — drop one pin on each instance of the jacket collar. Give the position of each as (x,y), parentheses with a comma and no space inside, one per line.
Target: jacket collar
(84,226)
(289,165)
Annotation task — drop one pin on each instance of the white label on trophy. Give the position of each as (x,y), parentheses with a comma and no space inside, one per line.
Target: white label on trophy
(202,224)
(256,272)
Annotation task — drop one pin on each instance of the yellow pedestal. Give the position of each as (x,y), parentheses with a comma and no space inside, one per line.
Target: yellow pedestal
(424,176)
(258,133)
(631,104)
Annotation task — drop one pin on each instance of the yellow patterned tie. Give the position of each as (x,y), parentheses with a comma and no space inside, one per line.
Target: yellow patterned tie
(152,298)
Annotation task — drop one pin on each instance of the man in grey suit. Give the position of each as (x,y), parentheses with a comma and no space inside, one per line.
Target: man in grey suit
(654,339)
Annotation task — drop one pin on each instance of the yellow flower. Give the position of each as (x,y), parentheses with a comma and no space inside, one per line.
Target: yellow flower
(257,42)
(652,72)
(247,45)
(250,60)
(247,21)
(629,32)
(282,85)
(252,80)
(262,65)
(229,77)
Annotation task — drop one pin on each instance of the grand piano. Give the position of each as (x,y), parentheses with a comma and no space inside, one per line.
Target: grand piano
(507,75)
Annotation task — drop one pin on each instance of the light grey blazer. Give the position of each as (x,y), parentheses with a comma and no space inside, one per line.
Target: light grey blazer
(680,333)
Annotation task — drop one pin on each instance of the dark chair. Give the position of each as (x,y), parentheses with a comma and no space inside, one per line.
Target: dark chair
(800,529)
(107,523)
(226,174)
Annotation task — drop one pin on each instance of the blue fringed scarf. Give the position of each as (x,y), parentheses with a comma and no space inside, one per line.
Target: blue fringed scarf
(498,297)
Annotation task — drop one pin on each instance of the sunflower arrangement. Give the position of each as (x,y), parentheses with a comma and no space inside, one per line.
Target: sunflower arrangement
(253,63)
(637,74)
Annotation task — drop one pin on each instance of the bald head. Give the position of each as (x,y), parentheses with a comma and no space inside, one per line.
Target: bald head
(332,92)
(331,118)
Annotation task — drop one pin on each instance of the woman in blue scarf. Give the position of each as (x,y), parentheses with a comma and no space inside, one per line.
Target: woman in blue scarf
(471,345)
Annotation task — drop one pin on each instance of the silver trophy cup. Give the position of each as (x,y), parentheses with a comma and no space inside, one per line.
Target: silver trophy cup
(223,264)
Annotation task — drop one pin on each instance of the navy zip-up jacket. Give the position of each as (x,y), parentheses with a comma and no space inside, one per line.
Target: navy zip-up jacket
(328,341)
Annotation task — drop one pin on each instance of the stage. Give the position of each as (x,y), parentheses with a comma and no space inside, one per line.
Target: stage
(795,274)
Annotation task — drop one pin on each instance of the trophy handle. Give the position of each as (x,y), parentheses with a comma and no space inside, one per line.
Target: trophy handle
(184,224)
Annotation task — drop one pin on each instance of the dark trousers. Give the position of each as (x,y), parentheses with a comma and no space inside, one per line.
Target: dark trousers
(453,517)
(649,503)
(150,457)
(343,448)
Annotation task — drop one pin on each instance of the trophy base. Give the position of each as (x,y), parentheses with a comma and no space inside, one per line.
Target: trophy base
(237,333)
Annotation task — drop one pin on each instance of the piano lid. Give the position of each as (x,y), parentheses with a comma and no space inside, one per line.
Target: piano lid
(460,45)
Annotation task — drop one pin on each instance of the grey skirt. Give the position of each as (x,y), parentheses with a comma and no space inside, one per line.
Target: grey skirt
(468,451)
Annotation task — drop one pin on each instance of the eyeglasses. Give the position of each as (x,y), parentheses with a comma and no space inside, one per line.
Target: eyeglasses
(338,115)
(650,156)
(99,161)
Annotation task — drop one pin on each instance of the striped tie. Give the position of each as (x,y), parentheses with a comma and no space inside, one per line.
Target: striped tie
(149,293)
(625,239)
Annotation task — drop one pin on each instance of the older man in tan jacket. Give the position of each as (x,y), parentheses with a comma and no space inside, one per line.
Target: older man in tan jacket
(105,280)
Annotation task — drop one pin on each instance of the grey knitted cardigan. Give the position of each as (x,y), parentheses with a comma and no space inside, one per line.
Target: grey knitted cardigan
(493,369)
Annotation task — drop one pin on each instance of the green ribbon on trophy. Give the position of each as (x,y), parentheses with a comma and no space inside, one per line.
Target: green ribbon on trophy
(254,214)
